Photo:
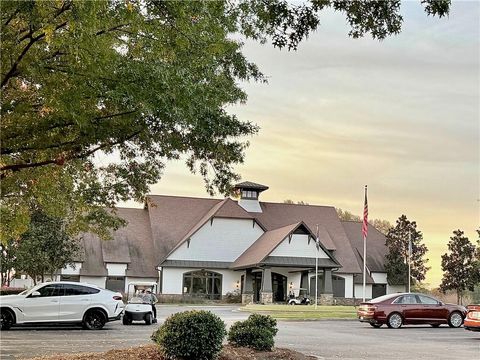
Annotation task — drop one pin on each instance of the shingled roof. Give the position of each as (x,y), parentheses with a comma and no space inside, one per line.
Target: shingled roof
(331,232)
(376,248)
(131,244)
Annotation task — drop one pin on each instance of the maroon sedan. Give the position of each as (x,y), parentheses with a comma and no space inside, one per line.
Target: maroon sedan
(396,310)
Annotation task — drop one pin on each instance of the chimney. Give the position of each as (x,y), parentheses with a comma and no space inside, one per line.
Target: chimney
(249,193)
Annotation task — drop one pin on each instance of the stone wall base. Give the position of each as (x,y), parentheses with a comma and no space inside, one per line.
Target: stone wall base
(266,297)
(325,299)
(247,299)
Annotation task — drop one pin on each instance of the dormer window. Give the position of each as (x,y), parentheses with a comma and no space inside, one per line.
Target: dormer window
(249,194)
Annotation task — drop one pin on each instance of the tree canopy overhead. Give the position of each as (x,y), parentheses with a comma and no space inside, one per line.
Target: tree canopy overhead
(142,80)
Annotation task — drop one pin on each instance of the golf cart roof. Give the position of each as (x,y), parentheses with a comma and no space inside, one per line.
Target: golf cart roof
(143,283)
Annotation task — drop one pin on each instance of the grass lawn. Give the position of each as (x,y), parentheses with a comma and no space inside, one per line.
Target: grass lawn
(303,312)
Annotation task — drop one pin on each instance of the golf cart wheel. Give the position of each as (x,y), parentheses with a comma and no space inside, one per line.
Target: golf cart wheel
(148,319)
(126,320)
(292,303)
(94,320)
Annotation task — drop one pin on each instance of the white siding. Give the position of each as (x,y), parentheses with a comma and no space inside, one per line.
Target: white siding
(348,284)
(25,282)
(173,279)
(72,270)
(250,205)
(116,269)
(298,247)
(222,240)
(379,277)
(94,280)
(392,289)
(359,291)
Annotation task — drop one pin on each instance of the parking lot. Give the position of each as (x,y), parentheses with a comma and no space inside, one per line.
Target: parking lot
(327,339)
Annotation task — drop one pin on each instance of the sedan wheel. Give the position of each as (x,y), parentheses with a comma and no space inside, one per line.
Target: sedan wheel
(94,320)
(455,319)
(395,321)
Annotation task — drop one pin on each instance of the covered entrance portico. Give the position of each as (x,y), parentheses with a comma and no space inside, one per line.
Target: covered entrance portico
(273,284)
(283,260)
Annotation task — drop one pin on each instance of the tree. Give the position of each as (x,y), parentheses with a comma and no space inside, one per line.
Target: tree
(45,248)
(459,266)
(145,81)
(397,258)
(381,225)
(7,261)
(289,201)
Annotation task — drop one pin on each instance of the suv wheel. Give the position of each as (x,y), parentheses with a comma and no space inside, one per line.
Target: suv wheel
(94,320)
(6,319)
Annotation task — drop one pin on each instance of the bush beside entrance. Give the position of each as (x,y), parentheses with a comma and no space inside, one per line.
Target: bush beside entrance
(257,332)
(191,335)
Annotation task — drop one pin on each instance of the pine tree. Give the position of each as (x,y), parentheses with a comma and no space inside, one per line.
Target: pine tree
(459,266)
(397,258)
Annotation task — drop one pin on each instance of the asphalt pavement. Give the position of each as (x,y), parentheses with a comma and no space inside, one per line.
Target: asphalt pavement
(325,339)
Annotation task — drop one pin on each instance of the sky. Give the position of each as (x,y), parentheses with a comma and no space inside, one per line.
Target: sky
(401,115)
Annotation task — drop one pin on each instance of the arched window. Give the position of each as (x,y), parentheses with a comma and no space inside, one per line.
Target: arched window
(203,283)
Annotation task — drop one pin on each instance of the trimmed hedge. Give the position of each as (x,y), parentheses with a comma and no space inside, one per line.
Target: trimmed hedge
(257,332)
(191,335)
(10,291)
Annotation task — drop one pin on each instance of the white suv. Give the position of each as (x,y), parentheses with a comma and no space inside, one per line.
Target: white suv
(61,302)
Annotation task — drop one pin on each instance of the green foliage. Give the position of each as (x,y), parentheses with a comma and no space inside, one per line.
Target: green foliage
(142,81)
(257,332)
(191,335)
(381,225)
(459,266)
(397,258)
(45,248)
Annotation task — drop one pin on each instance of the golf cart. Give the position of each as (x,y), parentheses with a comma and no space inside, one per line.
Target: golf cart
(137,309)
(301,299)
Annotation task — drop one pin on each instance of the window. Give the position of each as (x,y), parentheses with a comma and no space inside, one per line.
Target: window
(203,283)
(116,283)
(75,278)
(406,299)
(249,194)
(51,290)
(427,300)
(71,290)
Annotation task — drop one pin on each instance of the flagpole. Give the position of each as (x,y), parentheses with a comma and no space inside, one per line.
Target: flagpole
(409,257)
(364,245)
(316,269)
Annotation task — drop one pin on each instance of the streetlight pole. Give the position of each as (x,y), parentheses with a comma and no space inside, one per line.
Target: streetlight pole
(317,246)
(409,258)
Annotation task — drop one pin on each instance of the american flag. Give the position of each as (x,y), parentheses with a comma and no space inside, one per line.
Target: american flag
(365,216)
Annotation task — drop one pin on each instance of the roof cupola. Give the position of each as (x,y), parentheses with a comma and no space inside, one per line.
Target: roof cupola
(249,193)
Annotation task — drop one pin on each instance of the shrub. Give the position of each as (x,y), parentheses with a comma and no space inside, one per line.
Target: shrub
(191,335)
(10,291)
(234,297)
(257,332)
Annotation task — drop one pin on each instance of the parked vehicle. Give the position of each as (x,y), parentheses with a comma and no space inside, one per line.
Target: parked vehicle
(137,308)
(301,299)
(472,321)
(61,302)
(400,309)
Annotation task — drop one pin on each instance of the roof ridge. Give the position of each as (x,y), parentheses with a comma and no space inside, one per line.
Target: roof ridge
(184,197)
(287,204)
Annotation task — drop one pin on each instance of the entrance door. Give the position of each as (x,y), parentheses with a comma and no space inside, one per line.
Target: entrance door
(279,286)
(257,285)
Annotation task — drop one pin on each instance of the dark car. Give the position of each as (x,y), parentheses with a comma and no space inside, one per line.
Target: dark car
(400,309)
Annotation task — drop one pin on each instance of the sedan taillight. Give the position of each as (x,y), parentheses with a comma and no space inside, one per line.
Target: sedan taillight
(117,297)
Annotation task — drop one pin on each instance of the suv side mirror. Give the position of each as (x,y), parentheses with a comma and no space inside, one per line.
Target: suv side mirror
(35,294)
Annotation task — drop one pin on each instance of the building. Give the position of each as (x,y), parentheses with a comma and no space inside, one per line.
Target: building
(212,247)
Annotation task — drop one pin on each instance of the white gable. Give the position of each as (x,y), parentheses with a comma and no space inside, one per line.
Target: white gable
(220,240)
(298,246)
